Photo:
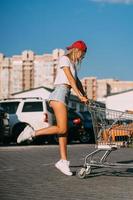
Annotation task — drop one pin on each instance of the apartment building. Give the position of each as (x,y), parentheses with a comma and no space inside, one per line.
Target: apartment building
(27,71)
(5,76)
(90,87)
(98,89)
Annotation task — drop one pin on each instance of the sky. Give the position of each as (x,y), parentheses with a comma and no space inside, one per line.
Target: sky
(106,26)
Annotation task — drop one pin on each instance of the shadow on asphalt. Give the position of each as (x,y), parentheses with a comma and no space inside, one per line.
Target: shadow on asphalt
(126,162)
(128,172)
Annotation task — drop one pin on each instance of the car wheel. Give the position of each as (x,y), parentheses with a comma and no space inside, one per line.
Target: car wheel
(6,141)
(56,139)
(85,136)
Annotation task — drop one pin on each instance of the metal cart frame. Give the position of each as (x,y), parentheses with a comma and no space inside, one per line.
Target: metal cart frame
(105,121)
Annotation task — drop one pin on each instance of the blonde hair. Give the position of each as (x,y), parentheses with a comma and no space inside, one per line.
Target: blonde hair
(71,53)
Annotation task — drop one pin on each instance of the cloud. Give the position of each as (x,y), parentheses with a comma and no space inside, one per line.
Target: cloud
(114,1)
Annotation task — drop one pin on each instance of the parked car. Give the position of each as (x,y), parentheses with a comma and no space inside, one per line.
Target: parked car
(76,131)
(26,111)
(4,126)
(88,125)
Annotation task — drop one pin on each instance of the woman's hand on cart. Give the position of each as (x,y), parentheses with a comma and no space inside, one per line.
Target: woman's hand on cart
(84,99)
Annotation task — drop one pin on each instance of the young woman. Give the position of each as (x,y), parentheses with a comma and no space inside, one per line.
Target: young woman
(66,79)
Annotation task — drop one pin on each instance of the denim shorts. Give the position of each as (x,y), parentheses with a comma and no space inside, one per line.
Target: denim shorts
(61,93)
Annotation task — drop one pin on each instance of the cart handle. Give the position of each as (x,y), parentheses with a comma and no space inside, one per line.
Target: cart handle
(92,104)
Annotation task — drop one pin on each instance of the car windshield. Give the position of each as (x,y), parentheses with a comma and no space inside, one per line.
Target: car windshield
(10,107)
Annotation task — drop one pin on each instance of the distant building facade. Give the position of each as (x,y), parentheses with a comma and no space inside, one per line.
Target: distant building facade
(27,71)
(99,89)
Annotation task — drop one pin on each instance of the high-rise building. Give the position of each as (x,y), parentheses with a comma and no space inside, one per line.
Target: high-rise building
(26,71)
(5,76)
(98,89)
(90,87)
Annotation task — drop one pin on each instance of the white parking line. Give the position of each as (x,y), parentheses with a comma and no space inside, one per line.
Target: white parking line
(12,148)
(48,164)
(7,169)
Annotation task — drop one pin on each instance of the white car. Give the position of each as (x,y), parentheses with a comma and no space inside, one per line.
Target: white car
(27,111)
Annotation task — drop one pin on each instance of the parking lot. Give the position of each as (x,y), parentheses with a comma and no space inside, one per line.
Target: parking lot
(28,172)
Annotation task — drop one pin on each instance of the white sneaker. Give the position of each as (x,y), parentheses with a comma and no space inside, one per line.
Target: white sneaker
(63,166)
(26,134)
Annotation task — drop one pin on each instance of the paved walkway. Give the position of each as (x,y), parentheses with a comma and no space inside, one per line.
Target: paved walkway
(28,172)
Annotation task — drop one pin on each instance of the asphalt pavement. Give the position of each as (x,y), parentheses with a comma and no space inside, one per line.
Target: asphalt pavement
(28,172)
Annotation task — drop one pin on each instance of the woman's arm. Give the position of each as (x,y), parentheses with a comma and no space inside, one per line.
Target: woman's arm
(73,84)
(80,87)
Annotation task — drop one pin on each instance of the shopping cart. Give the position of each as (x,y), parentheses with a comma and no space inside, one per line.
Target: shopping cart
(112,130)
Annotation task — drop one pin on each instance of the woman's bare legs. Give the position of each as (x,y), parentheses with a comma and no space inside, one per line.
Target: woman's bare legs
(60,111)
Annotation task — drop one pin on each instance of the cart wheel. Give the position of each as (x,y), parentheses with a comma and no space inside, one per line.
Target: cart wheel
(88,170)
(81,173)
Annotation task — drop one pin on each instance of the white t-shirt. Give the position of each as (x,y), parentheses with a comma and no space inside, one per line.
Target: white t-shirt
(61,77)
